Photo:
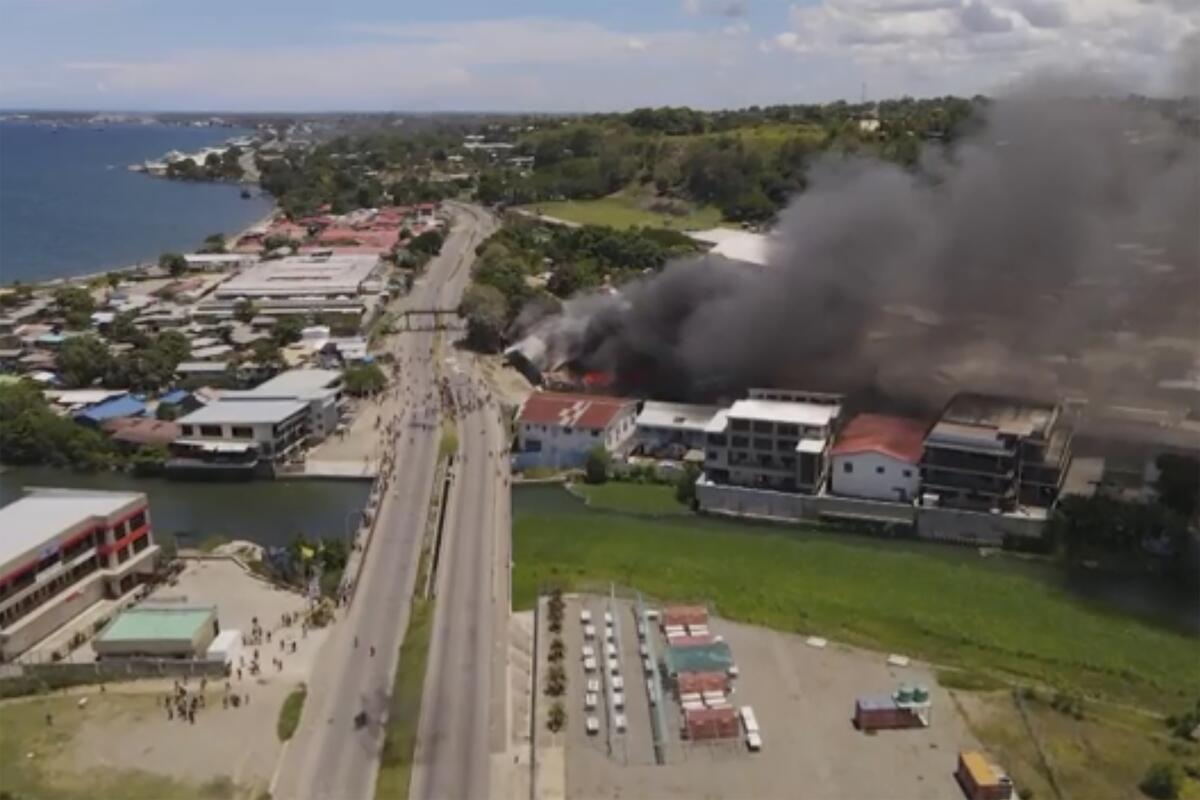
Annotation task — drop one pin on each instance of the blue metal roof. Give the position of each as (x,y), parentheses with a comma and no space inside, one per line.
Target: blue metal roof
(175,397)
(123,406)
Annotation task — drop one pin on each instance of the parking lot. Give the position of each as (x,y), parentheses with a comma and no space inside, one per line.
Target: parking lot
(803,698)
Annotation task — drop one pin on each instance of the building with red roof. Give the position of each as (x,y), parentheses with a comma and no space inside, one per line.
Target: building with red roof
(556,429)
(878,457)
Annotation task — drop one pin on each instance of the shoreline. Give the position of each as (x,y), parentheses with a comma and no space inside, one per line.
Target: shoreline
(88,277)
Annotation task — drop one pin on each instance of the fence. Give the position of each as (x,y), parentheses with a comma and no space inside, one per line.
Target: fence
(34,678)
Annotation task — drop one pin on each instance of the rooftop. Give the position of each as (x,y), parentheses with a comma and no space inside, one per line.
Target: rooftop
(676,415)
(140,624)
(243,412)
(1007,415)
(140,430)
(299,381)
(123,406)
(302,275)
(572,410)
(42,514)
(900,438)
(812,414)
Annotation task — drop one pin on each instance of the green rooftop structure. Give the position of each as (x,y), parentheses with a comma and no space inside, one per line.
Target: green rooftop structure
(713,657)
(157,632)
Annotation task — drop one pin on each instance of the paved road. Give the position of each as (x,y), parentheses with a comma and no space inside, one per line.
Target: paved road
(464,706)
(329,758)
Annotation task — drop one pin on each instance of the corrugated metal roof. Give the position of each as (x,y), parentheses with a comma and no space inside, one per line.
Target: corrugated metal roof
(901,438)
(125,406)
(980,770)
(572,410)
(43,514)
(235,412)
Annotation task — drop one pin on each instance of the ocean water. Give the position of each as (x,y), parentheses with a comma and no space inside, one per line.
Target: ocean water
(68,206)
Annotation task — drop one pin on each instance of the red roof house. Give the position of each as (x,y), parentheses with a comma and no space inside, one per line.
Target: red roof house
(558,429)
(877,457)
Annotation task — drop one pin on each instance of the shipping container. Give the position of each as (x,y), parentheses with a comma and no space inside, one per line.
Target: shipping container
(589,664)
(980,780)
(589,631)
(593,685)
(749,720)
(878,712)
(754,742)
(589,701)
(710,723)
(619,722)
(593,726)
(685,615)
(585,616)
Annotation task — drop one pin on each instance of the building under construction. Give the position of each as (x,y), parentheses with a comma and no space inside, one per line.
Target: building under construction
(990,452)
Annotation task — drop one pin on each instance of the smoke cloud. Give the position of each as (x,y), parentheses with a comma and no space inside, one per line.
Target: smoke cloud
(1054,249)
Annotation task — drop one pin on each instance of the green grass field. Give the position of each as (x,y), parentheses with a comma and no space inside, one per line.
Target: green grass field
(636,498)
(289,713)
(618,211)
(923,601)
(400,741)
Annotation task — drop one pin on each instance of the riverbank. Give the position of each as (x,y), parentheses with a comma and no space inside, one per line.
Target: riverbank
(269,513)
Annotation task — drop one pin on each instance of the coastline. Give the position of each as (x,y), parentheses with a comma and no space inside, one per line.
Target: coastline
(88,277)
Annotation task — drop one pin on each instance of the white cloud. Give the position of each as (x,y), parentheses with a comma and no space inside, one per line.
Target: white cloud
(722,8)
(987,42)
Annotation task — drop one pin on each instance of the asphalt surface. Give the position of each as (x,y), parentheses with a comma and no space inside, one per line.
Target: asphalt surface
(330,758)
(464,710)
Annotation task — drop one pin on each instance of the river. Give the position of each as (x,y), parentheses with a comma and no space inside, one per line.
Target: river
(266,512)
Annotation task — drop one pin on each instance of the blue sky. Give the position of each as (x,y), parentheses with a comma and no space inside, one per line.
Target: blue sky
(558,56)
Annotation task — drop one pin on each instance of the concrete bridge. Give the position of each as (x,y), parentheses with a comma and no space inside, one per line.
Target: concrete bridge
(428,319)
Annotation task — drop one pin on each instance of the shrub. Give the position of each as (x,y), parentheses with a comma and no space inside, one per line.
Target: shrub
(597,464)
(1163,781)
(557,717)
(556,681)
(557,650)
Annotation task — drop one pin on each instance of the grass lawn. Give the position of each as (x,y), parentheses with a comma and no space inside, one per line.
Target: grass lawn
(1100,755)
(289,713)
(924,601)
(618,211)
(400,742)
(637,498)
(33,760)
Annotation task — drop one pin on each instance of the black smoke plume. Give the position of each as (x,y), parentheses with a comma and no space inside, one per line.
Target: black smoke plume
(1054,249)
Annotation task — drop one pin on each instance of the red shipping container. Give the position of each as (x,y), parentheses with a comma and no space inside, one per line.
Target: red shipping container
(700,682)
(710,723)
(685,615)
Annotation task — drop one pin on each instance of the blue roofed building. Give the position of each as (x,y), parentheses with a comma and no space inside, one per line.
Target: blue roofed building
(127,405)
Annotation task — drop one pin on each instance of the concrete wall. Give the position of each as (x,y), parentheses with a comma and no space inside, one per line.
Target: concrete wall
(967,527)
(874,476)
(56,613)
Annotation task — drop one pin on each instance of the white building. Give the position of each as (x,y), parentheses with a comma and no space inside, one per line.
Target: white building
(312,275)
(878,457)
(319,389)
(62,551)
(776,439)
(216,262)
(557,430)
(271,428)
(669,430)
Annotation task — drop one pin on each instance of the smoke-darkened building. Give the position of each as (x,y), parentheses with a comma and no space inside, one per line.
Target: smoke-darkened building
(990,452)
(776,439)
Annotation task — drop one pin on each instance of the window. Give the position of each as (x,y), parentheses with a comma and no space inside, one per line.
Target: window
(568,431)
(763,427)
(739,424)
(847,468)
(763,444)
(188,430)
(242,432)
(908,473)
(879,470)
(786,445)
(210,430)
(137,520)
(716,439)
(788,430)
(533,445)
(741,441)
(595,433)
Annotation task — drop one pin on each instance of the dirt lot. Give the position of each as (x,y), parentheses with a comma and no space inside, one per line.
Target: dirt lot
(125,730)
(804,700)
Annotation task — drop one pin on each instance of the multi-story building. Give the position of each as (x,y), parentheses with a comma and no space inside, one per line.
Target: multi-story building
(557,429)
(990,452)
(671,429)
(240,432)
(321,389)
(63,550)
(776,439)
